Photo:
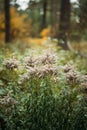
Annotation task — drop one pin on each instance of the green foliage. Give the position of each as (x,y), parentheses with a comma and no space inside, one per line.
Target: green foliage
(39,92)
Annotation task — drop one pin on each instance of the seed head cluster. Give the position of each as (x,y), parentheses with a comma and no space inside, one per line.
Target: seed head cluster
(7,101)
(48,58)
(30,61)
(11,63)
(84,84)
(71,73)
(74,77)
(38,67)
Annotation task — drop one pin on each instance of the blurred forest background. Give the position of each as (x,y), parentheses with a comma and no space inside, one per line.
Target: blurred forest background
(35,20)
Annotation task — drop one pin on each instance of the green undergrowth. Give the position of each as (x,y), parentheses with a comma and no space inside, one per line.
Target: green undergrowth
(42,90)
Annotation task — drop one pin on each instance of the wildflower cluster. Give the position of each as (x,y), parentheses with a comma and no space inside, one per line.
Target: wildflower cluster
(84,83)
(72,75)
(30,61)
(38,67)
(11,63)
(45,65)
(48,58)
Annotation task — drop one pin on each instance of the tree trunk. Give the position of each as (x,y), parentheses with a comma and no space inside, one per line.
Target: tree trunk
(7,20)
(54,19)
(44,14)
(1,5)
(64,25)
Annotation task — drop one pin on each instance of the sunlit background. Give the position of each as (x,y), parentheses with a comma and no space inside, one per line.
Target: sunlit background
(24,3)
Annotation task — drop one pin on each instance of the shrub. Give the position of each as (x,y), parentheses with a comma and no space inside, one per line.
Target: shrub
(41,93)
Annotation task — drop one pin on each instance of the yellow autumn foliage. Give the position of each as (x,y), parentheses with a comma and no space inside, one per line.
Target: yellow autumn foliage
(46,32)
(20,25)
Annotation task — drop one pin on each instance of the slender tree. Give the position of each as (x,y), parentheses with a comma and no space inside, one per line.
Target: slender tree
(7,20)
(64,23)
(1,5)
(44,4)
(54,16)
(83,15)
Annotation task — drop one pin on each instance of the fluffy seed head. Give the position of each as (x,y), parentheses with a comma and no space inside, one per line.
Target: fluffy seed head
(11,63)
